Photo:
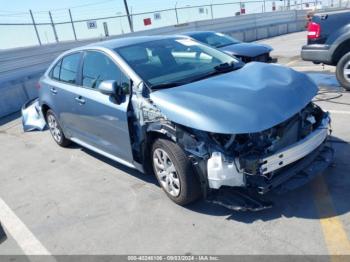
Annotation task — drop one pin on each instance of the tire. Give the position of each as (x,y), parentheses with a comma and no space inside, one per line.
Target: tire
(342,76)
(180,182)
(56,130)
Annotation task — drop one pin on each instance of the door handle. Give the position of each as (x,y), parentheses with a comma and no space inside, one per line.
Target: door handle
(80,100)
(53,90)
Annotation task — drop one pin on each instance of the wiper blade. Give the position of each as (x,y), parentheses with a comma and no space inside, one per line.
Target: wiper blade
(225,67)
(223,45)
(167,85)
(220,69)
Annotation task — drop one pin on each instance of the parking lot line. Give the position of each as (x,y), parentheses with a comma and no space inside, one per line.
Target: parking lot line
(292,62)
(339,112)
(20,233)
(335,236)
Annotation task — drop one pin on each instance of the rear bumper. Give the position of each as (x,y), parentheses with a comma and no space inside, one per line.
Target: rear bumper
(32,117)
(316,53)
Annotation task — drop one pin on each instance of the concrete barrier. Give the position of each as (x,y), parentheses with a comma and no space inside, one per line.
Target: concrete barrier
(21,68)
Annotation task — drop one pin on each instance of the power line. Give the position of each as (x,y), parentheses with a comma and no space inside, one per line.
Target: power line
(84,5)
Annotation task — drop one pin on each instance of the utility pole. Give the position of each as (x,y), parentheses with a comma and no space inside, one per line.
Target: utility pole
(53,27)
(128,14)
(36,29)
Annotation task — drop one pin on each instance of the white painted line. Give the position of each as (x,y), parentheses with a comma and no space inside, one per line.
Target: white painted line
(339,112)
(292,62)
(20,233)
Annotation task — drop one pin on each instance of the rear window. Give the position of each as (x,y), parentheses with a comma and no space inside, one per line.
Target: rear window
(55,73)
(66,69)
(69,68)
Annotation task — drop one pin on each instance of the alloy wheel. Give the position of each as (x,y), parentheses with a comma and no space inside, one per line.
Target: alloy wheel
(54,129)
(166,172)
(346,71)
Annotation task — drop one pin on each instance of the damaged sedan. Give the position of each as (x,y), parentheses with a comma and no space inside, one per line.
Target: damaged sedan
(199,119)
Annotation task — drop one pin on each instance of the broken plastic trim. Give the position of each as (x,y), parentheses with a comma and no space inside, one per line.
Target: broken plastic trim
(238,199)
(223,173)
(32,117)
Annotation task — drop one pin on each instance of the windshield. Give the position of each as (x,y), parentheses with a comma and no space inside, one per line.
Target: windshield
(174,61)
(215,39)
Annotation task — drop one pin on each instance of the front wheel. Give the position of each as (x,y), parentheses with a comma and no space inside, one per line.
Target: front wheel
(343,71)
(56,130)
(174,172)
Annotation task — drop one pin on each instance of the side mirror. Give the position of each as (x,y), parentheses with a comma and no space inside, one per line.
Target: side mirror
(111,88)
(107,87)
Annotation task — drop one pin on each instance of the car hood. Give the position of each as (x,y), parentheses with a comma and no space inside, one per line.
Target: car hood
(246,49)
(251,99)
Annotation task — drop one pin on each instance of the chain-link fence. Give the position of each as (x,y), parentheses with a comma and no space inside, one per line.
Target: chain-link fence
(45,27)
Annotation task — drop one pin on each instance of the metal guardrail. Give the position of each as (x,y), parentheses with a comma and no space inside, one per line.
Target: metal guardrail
(51,29)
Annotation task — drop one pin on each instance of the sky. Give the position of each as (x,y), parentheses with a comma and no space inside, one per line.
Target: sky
(17,11)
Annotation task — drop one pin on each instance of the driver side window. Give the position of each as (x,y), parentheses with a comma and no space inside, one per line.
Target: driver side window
(97,67)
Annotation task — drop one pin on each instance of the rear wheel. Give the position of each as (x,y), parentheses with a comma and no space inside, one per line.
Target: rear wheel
(343,71)
(55,129)
(174,172)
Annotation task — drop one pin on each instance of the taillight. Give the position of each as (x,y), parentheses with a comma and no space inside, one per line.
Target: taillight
(314,30)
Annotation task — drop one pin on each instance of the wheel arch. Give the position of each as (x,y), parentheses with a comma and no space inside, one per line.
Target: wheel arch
(153,132)
(340,51)
(44,109)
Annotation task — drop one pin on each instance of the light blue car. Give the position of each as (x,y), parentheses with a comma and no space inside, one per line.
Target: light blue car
(200,120)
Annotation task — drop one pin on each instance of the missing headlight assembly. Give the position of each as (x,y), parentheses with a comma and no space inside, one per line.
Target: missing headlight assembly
(263,154)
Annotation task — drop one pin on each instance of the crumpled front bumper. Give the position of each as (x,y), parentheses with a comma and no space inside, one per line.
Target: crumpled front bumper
(32,117)
(303,162)
(284,170)
(251,199)
(298,164)
(300,172)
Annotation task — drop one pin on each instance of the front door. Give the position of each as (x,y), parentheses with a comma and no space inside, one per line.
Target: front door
(101,122)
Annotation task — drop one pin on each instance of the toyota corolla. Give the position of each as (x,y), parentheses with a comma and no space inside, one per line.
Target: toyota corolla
(202,121)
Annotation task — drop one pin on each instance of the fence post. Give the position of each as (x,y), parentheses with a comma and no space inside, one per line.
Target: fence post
(53,27)
(177,17)
(211,10)
(71,20)
(128,14)
(264,6)
(36,29)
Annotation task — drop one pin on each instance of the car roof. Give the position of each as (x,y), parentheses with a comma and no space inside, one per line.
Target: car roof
(194,33)
(127,41)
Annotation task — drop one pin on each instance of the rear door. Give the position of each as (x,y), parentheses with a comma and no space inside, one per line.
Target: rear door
(102,123)
(62,85)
